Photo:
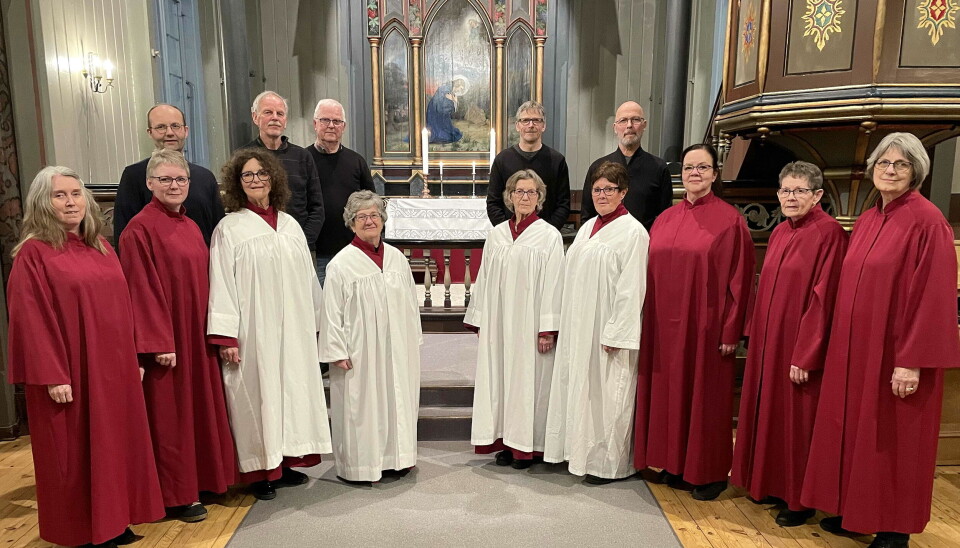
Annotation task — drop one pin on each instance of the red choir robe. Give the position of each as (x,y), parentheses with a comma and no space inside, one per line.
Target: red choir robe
(873,454)
(69,324)
(791,326)
(165,260)
(699,291)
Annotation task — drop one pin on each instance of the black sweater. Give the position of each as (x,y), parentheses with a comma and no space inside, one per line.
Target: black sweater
(203,199)
(550,165)
(341,174)
(650,188)
(306,197)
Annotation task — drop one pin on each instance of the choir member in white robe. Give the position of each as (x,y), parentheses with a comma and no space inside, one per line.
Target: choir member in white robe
(264,313)
(370,334)
(515,309)
(590,415)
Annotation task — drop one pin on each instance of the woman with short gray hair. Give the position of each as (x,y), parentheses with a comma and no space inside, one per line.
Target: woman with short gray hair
(515,309)
(894,333)
(371,335)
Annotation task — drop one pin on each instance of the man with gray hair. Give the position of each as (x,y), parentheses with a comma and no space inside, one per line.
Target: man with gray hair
(342,172)
(269,113)
(531,153)
(168,128)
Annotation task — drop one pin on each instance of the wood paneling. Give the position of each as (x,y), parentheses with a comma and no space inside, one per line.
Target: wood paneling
(302,60)
(96,134)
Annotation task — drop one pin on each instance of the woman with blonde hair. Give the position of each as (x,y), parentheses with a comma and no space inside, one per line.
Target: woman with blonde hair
(71,344)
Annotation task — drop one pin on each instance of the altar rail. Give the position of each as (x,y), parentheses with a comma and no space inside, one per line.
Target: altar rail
(431,267)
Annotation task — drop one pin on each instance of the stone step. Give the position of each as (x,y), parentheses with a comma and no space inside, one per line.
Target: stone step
(441,423)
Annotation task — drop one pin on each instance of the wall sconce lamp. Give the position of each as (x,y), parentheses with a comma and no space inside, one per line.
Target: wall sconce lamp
(99,73)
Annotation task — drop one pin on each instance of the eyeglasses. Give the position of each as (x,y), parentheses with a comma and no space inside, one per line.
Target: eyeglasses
(636,121)
(899,166)
(529,121)
(165,182)
(528,193)
(330,122)
(798,192)
(364,217)
(702,168)
(247,176)
(607,190)
(162,128)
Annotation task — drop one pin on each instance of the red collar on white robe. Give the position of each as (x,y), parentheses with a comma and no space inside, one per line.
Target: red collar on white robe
(604,220)
(268,214)
(517,229)
(375,253)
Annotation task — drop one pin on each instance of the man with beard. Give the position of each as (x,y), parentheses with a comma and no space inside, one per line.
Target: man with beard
(651,191)
(531,153)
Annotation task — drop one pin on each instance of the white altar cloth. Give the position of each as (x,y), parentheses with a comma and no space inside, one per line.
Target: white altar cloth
(437,219)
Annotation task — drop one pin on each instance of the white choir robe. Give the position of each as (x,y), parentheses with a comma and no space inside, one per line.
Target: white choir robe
(264,291)
(516,297)
(372,318)
(593,393)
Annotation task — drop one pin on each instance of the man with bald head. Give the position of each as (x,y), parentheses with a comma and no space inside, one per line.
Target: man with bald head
(650,191)
(168,128)
(269,112)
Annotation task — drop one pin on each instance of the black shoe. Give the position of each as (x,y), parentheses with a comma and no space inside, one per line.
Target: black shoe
(352,482)
(768,501)
(191,513)
(504,458)
(397,473)
(596,480)
(520,464)
(263,490)
(793,518)
(890,540)
(834,525)
(126,537)
(290,478)
(666,478)
(709,491)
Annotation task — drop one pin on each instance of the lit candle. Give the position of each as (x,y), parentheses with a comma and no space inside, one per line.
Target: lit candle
(473,169)
(425,144)
(441,171)
(109,67)
(493,145)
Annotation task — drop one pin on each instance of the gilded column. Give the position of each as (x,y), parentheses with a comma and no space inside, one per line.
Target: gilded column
(498,96)
(539,40)
(375,71)
(415,43)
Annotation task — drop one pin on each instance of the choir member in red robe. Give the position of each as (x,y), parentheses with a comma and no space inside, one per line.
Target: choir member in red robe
(788,341)
(71,344)
(165,260)
(699,289)
(894,333)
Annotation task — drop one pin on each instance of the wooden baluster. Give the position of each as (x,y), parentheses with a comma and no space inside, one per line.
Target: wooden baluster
(446,278)
(428,294)
(466,276)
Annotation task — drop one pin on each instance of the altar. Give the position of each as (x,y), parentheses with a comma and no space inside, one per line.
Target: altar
(437,219)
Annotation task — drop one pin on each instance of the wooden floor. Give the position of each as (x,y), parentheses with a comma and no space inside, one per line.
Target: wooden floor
(731,521)
(18,510)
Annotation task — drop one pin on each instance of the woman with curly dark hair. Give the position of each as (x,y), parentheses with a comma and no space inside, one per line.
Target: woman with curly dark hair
(260,273)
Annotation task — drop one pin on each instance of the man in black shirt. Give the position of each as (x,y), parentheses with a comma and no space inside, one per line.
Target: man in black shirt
(531,153)
(342,172)
(269,113)
(650,191)
(168,128)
